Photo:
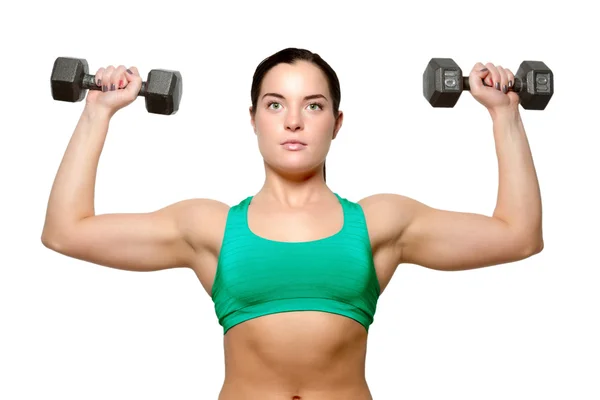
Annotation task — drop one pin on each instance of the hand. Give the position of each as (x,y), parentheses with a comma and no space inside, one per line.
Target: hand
(492,87)
(120,87)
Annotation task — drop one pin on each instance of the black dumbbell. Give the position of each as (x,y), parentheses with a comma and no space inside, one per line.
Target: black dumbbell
(70,79)
(443,83)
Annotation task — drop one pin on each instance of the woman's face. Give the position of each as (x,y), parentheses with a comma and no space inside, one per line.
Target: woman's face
(295,104)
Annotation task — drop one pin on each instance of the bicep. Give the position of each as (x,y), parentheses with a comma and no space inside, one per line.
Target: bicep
(450,240)
(408,231)
(130,241)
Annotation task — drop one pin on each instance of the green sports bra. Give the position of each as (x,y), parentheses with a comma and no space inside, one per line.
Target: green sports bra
(257,276)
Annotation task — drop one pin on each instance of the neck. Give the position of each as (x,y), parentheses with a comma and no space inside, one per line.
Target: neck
(294,189)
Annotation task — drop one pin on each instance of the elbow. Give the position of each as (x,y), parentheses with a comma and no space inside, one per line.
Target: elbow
(63,238)
(47,237)
(533,247)
(49,240)
(527,241)
(53,240)
(540,245)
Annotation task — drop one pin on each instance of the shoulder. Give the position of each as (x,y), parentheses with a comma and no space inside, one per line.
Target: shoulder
(192,209)
(201,221)
(388,205)
(388,215)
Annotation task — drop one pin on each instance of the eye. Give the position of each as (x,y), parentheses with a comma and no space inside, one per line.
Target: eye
(313,106)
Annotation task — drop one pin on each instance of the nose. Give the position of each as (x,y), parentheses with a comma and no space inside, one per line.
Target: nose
(293,121)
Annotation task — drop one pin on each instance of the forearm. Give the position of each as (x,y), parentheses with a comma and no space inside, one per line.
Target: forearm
(72,195)
(519,200)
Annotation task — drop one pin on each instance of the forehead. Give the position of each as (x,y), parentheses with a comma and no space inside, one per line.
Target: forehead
(298,78)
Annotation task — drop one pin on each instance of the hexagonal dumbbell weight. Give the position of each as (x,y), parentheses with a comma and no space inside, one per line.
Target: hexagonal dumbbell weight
(70,79)
(443,83)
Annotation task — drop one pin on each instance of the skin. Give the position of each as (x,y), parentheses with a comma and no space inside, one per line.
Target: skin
(327,359)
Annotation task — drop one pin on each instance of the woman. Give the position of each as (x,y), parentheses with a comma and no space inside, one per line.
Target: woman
(296,270)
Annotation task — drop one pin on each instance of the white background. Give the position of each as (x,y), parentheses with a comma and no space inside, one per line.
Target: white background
(521,331)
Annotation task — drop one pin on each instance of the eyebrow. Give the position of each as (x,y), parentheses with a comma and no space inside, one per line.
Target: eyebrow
(310,97)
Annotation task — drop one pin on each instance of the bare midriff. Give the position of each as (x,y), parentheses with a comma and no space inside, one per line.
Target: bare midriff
(304,355)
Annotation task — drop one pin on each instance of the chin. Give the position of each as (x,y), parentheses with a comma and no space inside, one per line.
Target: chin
(293,167)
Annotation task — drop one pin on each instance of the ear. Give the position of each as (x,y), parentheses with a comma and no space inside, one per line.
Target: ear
(338,124)
(252,119)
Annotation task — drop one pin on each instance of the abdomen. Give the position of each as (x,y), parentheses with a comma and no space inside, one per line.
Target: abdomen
(296,351)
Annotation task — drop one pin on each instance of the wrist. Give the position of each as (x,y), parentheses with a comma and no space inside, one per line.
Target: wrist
(505,115)
(97,114)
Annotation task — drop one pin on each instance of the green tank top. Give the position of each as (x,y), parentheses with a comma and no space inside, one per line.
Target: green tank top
(256,276)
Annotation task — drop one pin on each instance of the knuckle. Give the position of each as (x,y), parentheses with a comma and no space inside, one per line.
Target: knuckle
(109,71)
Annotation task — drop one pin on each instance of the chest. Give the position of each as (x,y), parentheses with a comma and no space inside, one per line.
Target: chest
(257,276)
(295,225)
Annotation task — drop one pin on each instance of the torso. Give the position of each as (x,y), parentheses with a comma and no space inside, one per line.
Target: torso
(304,355)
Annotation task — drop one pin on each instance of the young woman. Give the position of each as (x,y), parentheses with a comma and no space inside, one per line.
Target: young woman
(295,271)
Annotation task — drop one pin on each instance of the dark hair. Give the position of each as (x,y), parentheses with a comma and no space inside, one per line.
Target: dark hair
(289,56)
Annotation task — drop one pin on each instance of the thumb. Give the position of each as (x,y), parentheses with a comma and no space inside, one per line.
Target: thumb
(477,76)
(134,81)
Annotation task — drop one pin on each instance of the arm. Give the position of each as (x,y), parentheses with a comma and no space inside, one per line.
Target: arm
(446,240)
(166,238)
(172,237)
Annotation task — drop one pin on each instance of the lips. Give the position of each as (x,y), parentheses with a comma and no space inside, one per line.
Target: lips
(293,145)
(293,141)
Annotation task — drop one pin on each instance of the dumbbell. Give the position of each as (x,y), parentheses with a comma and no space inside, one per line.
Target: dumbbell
(70,79)
(443,83)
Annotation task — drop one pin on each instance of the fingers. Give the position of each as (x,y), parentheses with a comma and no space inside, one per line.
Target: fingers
(111,78)
(479,73)
(132,72)
(133,80)
(106,78)
(118,80)
(511,78)
(503,79)
(494,76)
(98,77)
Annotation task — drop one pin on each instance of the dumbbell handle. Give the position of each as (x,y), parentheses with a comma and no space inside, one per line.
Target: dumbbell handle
(89,82)
(517,84)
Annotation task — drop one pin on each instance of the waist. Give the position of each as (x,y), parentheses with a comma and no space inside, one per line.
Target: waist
(241,391)
(294,351)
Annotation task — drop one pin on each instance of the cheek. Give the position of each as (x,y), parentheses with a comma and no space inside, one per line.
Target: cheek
(264,137)
(325,128)
(265,126)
